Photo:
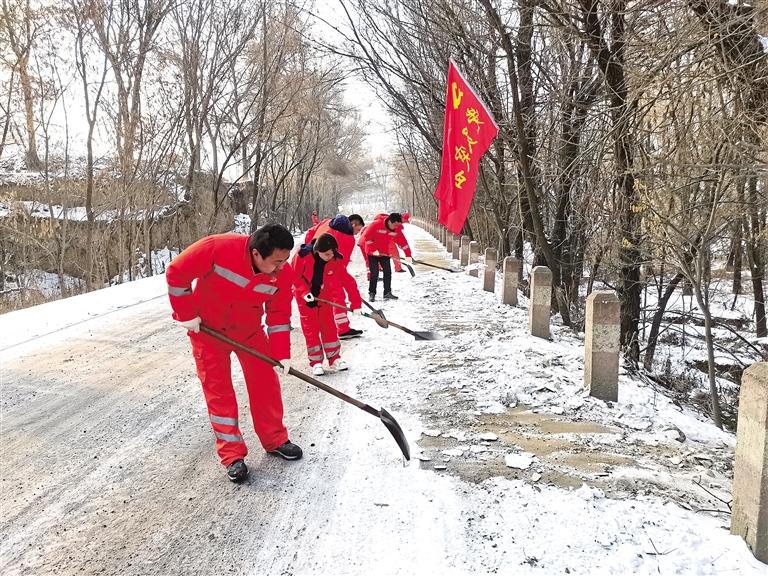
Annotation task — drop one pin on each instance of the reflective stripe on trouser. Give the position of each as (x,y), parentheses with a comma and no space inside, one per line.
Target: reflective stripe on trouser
(339,315)
(320,333)
(215,372)
(332,350)
(395,255)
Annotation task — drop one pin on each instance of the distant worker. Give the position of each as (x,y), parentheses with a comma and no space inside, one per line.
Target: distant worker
(375,243)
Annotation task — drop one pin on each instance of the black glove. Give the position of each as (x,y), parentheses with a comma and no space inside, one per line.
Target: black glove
(312,304)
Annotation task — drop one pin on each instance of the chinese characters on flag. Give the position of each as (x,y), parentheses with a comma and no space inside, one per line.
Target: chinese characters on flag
(468,132)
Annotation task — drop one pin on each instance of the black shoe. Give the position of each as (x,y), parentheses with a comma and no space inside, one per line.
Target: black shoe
(389,296)
(289,451)
(401,270)
(237,471)
(371,296)
(351,333)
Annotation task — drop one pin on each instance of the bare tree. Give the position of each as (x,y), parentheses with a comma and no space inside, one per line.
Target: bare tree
(22,25)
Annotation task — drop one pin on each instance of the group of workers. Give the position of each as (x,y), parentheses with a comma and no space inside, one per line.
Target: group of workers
(233,283)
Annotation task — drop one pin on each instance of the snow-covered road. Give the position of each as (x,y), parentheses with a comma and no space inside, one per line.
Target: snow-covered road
(108,464)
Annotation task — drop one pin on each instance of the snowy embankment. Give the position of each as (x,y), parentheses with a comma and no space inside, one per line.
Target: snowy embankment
(516,470)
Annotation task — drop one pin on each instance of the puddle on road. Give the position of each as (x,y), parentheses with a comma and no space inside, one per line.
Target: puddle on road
(546,423)
(566,462)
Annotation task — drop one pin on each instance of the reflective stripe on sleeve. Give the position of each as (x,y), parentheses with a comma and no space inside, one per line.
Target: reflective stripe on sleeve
(265,289)
(176,291)
(233,277)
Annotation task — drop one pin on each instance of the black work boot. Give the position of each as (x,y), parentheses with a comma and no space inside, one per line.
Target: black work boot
(351,333)
(289,451)
(371,296)
(237,471)
(389,296)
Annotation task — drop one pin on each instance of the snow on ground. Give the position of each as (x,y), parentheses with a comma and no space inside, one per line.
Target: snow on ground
(515,470)
(487,377)
(25,325)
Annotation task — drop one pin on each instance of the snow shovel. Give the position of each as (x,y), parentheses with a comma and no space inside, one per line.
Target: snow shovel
(410,268)
(383,415)
(435,266)
(381,321)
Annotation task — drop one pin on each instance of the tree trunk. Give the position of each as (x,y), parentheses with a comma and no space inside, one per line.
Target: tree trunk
(33,160)
(653,335)
(755,251)
(737,257)
(716,415)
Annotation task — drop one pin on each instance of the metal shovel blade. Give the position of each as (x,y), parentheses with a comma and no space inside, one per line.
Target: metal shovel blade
(426,335)
(410,268)
(396,431)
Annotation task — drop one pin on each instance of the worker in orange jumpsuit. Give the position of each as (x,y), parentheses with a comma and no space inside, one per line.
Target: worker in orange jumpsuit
(231,282)
(320,272)
(376,243)
(343,229)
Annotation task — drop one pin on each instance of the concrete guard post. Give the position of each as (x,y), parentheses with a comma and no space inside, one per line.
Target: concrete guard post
(464,252)
(749,517)
(489,276)
(541,301)
(601,345)
(511,269)
(474,257)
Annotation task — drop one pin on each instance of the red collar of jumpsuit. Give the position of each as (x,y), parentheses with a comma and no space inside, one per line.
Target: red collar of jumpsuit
(319,323)
(214,279)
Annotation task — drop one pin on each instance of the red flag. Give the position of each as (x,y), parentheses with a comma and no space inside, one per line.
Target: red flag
(468,132)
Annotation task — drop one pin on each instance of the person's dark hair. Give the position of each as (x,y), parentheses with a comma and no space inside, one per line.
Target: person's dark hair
(326,242)
(269,238)
(357,218)
(395,217)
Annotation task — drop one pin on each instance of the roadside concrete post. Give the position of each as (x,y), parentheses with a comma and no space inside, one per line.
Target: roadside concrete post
(464,252)
(602,332)
(474,257)
(509,276)
(489,276)
(541,302)
(749,518)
